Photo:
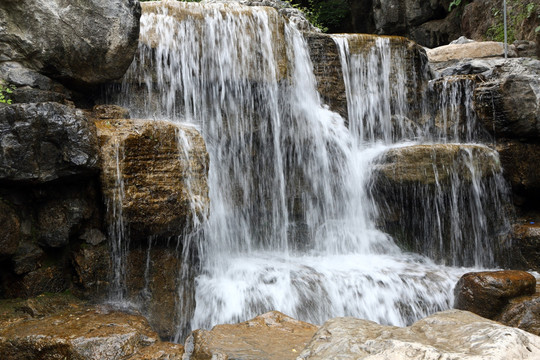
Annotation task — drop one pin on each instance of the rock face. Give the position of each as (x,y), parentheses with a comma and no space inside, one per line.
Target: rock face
(163,172)
(523,314)
(527,241)
(62,326)
(409,185)
(45,141)
(486,293)
(508,101)
(269,336)
(85,43)
(450,334)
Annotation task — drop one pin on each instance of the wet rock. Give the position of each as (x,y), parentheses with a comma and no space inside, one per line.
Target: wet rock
(269,336)
(160,174)
(92,268)
(154,278)
(429,164)
(450,334)
(87,43)
(523,314)
(45,141)
(519,161)
(93,236)
(108,112)
(10,228)
(410,184)
(527,241)
(159,351)
(80,332)
(327,69)
(508,101)
(484,49)
(487,293)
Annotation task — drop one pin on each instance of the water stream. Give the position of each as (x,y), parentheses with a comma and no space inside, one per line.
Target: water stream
(293,223)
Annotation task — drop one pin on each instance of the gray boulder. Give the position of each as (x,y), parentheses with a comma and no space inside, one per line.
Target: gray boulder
(76,42)
(447,335)
(45,141)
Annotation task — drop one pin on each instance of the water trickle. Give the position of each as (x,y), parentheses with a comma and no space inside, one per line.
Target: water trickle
(293,222)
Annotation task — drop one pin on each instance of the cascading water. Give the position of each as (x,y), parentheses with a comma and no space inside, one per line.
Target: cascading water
(292,223)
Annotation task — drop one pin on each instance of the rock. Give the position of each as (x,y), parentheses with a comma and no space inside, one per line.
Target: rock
(50,279)
(466,66)
(451,334)
(160,175)
(524,314)
(159,351)
(410,183)
(86,43)
(461,40)
(77,333)
(519,163)
(327,69)
(508,101)
(45,141)
(154,281)
(10,228)
(527,241)
(92,267)
(472,50)
(60,219)
(486,293)
(93,236)
(431,164)
(109,112)
(27,258)
(269,336)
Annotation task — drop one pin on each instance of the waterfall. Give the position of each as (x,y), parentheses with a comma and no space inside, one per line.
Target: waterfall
(294,221)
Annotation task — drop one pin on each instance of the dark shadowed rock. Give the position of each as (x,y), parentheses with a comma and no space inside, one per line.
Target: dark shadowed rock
(92,269)
(10,228)
(27,258)
(271,336)
(45,141)
(487,293)
(527,242)
(451,334)
(523,314)
(82,43)
(50,279)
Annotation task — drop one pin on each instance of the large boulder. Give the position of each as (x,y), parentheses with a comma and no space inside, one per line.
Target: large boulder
(451,334)
(487,293)
(430,200)
(80,43)
(523,313)
(472,50)
(272,336)
(508,101)
(41,142)
(154,167)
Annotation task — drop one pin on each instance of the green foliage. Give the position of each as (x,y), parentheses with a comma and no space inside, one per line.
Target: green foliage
(453,4)
(517,13)
(5,91)
(324,14)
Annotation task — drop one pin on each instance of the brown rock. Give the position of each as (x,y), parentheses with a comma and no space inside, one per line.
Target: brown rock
(430,164)
(472,50)
(153,279)
(45,279)
(159,351)
(327,69)
(92,267)
(527,241)
(487,293)
(524,314)
(157,176)
(519,161)
(83,333)
(269,336)
(109,112)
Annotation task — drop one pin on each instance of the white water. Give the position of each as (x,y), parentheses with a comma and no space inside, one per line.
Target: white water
(292,220)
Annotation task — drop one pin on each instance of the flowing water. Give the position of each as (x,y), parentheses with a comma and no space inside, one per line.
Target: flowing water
(293,223)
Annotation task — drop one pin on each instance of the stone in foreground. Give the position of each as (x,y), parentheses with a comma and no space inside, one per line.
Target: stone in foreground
(448,335)
(271,336)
